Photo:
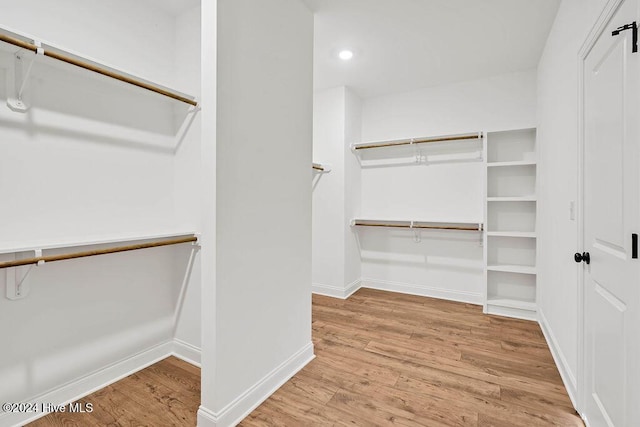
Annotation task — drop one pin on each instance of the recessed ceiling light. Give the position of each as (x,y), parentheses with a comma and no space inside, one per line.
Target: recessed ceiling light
(345,55)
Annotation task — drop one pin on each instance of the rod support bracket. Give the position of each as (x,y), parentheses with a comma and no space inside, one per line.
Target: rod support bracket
(17,278)
(39,48)
(18,79)
(417,236)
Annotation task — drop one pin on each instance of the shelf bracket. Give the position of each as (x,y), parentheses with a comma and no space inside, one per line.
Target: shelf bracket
(412,141)
(18,79)
(417,236)
(17,278)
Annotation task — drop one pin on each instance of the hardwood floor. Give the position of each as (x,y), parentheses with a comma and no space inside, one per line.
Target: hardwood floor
(164,394)
(382,359)
(392,359)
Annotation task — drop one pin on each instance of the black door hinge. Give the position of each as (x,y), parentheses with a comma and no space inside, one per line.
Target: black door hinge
(634,27)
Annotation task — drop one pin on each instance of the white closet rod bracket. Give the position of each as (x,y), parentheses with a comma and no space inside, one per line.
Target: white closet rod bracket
(20,78)
(17,279)
(417,237)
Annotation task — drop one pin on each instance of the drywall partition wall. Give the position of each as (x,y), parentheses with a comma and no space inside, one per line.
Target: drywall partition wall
(328,264)
(445,186)
(558,185)
(92,158)
(263,234)
(353,188)
(336,256)
(188,175)
(208,80)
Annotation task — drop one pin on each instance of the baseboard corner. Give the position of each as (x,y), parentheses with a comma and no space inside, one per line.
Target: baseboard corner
(336,291)
(243,405)
(187,352)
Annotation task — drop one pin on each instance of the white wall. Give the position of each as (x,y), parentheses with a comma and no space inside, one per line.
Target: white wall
(336,256)
(443,264)
(353,186)
(262,331)
(557,179)
(91,158)
(187,167)
(328,190)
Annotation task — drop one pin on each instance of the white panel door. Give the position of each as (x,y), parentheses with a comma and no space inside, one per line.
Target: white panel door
(611,216)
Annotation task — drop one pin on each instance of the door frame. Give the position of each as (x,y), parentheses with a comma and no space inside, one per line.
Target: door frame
(596,31)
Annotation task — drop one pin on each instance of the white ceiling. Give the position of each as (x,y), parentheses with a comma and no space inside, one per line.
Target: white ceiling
(401,45)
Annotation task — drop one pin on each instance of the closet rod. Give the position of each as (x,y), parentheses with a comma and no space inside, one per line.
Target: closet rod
(461,227)
(87,66)
(413,141)
(51,258)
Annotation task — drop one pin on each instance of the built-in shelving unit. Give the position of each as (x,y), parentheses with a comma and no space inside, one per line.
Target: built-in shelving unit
(510,212)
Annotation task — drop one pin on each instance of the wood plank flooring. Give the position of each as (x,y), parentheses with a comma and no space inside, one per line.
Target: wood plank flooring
(382,359)
(164,394)
(392,359)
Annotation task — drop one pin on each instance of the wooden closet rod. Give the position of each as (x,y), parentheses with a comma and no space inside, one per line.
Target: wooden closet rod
(87,66)
(460,227)
(51,258)
(418,141)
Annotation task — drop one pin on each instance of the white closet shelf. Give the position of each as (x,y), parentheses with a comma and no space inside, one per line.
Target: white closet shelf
(526,234)
(512,303)
(514,163)
(40,48)
(507,268)
(433,225)
(512,199)
(15,247)
(421,140)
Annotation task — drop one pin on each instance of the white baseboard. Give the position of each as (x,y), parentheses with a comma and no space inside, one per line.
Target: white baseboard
(568,378)
(423,291)
(336,291)
(186,352)
(88,384)
(242,406)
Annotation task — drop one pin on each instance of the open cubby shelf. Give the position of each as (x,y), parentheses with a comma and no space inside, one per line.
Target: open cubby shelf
(515,163)
(516,234)
(510,211)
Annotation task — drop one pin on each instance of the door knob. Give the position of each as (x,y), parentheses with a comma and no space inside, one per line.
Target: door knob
(580,257)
